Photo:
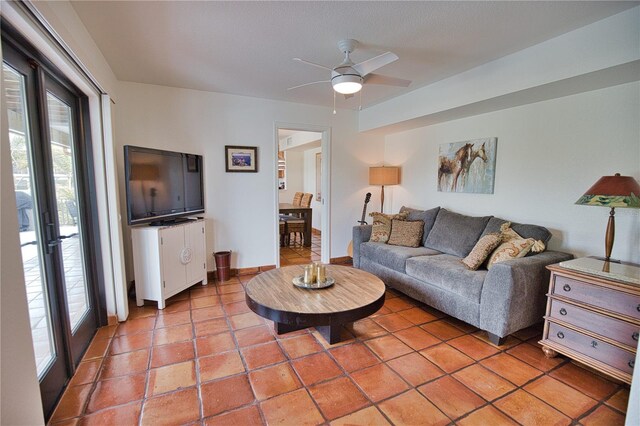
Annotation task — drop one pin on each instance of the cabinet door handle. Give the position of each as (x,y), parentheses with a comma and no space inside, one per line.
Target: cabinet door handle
(632,363)
(567,287)
(634,336)
(560,335)
(563,311)
(594,344)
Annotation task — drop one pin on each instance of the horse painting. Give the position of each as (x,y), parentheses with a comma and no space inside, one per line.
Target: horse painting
(457,171)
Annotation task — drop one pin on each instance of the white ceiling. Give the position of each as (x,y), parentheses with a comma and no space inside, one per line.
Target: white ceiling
(246,48)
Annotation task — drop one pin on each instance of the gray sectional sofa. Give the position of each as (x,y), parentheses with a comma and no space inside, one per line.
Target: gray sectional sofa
(507,298)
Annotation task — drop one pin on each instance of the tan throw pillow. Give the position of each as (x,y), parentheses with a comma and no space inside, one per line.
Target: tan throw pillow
(482,250)
(512,249)
(407,233)
(382,226)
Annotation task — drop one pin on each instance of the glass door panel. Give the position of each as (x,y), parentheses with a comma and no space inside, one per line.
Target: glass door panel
(51,162)
(30,241)
(69,232)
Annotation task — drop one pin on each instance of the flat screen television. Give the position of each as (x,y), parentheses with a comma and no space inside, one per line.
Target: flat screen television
(162,186)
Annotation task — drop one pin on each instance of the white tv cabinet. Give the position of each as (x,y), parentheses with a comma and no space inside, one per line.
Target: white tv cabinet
(168,259)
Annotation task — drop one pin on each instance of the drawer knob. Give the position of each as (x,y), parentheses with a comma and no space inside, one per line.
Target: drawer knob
(567,287)
(594,344)
(634,336)
(563,311)
(560,335)
(632,363)
(638,308)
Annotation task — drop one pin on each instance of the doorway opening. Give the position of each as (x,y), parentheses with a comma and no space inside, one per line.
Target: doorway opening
(302,197)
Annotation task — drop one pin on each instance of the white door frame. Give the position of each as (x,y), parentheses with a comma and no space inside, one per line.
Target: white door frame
(325,186)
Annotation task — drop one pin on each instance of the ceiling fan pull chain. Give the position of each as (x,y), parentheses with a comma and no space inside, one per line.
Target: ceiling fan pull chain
(334,102)
(360,107)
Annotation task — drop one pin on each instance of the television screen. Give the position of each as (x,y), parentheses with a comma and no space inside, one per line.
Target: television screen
(162,185)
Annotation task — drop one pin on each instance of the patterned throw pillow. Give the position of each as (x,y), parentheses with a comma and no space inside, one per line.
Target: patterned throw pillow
(512,249)
(482,250)
(513,246)
(407,233)
(382,225)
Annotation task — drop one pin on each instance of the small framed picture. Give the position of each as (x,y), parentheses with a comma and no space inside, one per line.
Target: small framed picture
(241,158)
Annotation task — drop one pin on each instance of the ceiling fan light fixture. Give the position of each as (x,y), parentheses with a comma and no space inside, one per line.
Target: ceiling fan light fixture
(347,84)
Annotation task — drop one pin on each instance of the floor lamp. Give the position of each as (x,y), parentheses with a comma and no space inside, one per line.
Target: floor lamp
(612,191)
(384,176)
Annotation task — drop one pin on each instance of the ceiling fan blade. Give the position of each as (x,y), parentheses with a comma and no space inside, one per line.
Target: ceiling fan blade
(349,96)
(386,80)
(308,84)
(370,65)
(313,64)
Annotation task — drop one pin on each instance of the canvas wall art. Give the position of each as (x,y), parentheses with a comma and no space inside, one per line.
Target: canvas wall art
(467,166)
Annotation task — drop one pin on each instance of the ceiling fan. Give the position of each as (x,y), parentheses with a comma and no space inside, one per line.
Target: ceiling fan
(348,78)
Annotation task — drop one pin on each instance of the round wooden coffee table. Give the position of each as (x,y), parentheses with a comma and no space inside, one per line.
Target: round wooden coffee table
(355,295)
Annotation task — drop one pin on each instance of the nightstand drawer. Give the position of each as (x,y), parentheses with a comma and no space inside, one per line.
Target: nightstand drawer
(602,297)
(618,330)
(593,348)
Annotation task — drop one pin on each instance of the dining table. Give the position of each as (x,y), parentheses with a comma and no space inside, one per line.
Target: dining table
(305,214)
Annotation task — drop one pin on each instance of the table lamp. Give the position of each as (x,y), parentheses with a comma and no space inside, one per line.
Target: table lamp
(384,176)
(612,191)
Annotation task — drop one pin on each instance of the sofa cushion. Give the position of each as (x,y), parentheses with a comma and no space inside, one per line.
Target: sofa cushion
(448,273)
(407,233)
(382,225)
(428,216)
(526,231)
(455,233)
(393,257)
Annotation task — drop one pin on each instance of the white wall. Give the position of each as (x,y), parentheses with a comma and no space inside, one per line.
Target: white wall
(294,176)
(548,154)
(309,177)
(240,206)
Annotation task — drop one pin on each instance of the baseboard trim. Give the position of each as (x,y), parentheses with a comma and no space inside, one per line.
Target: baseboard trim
(112,320)
(234,272)
(340,260)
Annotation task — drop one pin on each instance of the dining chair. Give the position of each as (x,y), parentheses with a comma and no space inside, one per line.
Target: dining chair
(297,199)
(306,200)
(295,227)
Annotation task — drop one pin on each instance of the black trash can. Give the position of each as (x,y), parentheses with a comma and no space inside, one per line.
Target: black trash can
(223,265)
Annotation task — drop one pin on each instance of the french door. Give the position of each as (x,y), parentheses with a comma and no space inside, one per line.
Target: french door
(51,161)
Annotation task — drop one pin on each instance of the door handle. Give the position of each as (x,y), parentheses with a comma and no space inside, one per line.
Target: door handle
(57,241)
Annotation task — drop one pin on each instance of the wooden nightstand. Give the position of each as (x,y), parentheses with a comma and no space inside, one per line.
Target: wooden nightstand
(594,316)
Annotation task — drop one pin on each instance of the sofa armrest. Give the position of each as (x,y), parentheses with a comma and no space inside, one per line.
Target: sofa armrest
(361,234)
(514,292)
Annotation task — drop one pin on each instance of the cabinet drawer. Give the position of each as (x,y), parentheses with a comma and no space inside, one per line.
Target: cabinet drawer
(618,330)
(593,348)
(602,297)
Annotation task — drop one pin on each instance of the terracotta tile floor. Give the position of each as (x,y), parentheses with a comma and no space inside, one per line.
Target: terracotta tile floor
(295,253)
(208,360)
